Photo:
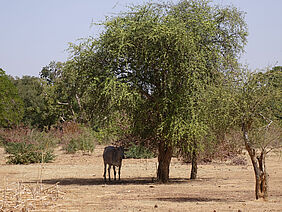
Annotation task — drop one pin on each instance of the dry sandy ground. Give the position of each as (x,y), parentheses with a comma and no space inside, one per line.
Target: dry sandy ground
(220,186)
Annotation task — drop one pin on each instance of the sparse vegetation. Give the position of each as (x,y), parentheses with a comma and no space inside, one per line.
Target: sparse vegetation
(77,138)
(23,153)
(76,144)
(19,196)
(26,146)
(139,151)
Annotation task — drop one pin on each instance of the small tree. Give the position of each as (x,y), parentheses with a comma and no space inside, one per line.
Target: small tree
(257,118)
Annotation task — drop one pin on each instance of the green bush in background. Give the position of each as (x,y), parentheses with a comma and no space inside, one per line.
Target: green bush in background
(26,146)
(139,151)
(76,144)
(78,138)
(23,153)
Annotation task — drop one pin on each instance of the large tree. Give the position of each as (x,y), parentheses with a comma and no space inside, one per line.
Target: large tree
(154,63)
(170,54)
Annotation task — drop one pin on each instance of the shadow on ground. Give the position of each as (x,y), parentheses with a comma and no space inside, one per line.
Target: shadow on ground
(191,199)
(100,181)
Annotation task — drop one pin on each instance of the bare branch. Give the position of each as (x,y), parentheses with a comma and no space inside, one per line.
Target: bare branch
(63,103)
(266,119)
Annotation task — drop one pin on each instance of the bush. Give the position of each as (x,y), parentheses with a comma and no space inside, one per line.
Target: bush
(27,146)
(78,138)
(105,136)
(139,151)
(74,145)
(226,148)
(2,140)
(23,153)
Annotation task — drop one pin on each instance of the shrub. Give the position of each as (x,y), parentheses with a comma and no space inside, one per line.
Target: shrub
(223,149)
(27,146)
(78,138)
(2,140)
(105,136)
(139,151)
(74,145)
(239,161)
(23,153)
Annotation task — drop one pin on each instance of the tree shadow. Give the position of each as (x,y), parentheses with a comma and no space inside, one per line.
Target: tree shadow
(191,199)
(100,181)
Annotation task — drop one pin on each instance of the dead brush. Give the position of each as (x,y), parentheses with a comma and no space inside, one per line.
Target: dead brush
(21,196)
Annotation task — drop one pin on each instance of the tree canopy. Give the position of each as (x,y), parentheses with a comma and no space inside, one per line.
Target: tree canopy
(154,62)
(11,106)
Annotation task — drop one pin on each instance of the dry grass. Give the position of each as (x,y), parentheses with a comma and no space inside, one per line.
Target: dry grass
(221,186)
(21,196)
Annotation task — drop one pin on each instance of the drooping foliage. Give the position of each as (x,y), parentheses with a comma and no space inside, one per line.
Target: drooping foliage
(170,54)
(153,64)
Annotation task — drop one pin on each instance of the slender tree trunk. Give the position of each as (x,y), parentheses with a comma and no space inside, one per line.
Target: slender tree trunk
(81,112)
(194,168)
(164,158)
(261,176)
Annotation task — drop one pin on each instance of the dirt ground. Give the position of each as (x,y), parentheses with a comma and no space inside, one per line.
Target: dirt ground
(219,187)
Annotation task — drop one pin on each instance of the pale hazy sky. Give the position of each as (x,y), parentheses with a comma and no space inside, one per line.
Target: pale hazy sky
(35,32)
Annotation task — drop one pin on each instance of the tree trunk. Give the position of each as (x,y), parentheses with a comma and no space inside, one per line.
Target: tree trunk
(164,158)
(261,176)
(262,183)
(194,168)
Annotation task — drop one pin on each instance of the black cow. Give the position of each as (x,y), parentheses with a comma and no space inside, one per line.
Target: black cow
(113,157)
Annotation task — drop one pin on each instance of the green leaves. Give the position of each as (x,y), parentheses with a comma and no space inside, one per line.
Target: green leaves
(30,90)
(11,106)
(26,146)
(155,65)
(22,153)
(171,54)
(138,151)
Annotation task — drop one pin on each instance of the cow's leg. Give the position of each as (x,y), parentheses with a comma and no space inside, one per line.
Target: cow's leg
(105,171)
(115,172)
(119,168)
(109,172)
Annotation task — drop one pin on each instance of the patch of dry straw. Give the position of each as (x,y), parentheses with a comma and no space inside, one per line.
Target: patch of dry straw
(21,196)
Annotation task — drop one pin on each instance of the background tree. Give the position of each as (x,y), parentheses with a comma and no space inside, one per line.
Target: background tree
(80,90)
(11,106)
(61,92)
(51,72)
(35,108)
